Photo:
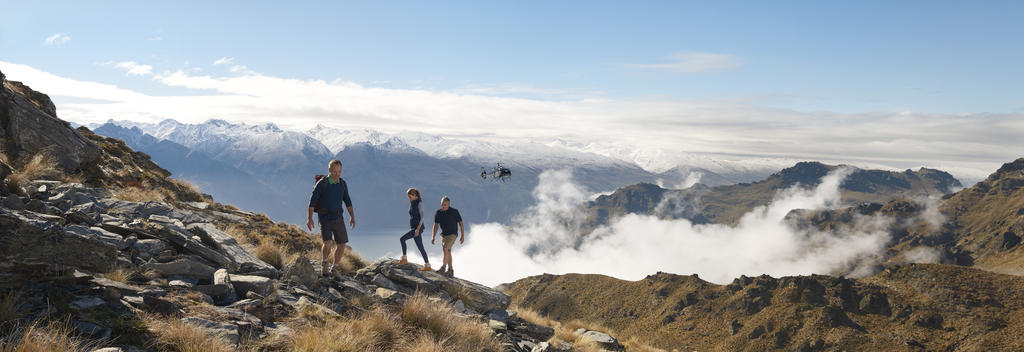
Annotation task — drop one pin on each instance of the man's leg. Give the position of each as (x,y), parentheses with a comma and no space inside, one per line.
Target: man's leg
(328,246)
(448,257)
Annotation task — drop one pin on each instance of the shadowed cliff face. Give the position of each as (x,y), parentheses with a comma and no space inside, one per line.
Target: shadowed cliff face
(29,124)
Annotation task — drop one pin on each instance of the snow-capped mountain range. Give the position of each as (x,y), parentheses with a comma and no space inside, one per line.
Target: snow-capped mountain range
(279,165)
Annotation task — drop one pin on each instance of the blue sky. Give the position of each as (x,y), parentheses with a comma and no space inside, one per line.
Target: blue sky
(899,83)
(927,56)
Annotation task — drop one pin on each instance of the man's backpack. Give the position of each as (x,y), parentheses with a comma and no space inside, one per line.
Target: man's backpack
(316,180)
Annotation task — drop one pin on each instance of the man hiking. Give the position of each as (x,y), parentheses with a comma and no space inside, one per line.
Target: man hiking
(329,194)
(447,217)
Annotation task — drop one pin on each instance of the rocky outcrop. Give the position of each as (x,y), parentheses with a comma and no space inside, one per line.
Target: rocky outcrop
(29,123)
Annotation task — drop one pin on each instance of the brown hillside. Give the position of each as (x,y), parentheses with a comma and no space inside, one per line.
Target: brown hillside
(904,308)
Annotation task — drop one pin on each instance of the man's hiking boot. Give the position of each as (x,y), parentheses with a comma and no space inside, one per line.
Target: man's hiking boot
(402,261)
(441,270)
(450,272)
(325,268)
(426,268)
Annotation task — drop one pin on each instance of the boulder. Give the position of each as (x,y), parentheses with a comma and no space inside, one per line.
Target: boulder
(604,340)
(150,248)
(301,271)
(223,288)
(33,127)
(244,284)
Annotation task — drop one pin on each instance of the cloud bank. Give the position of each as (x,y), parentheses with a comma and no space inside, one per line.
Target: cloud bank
(544,240)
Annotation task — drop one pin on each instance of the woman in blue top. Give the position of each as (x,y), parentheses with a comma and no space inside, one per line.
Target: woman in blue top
(416,223)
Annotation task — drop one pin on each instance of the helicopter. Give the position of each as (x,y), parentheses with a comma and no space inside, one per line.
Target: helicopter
(497,173)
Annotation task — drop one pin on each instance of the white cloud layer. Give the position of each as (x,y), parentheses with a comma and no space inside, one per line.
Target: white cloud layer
(224,60)
(654,133)
(638,245)
(133,68)
(57,39)
(694,62)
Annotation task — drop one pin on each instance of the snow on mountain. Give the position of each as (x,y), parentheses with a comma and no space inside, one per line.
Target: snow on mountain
(257,143)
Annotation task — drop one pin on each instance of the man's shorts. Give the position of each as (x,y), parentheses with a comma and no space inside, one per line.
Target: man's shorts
(334,230)
(447,241)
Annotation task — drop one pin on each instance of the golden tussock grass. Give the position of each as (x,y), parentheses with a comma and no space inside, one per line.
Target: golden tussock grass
(172,334)
(55,336)
(376,330)
(440,320)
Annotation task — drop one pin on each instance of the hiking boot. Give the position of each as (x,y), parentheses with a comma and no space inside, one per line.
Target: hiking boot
(426,268)
(441,270)
(325,268)
(450,272)
(402,261)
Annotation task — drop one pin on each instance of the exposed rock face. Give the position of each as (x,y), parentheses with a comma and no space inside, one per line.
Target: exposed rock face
(28,122)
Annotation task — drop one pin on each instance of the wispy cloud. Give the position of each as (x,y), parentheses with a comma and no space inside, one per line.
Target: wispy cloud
(155,39)
(224,61)
(693,62)
(57,39)
(133,68)
(650,131)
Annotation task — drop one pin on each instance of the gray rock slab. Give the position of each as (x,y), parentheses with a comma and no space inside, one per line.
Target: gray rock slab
(86,303)
(97,234)
(183,267)
(229,246)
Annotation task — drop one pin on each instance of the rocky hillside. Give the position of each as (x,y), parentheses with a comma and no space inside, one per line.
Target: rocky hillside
(726,204)
(917,307)
(100,248)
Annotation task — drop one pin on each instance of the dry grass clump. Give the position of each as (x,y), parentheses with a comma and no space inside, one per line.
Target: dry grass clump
(140,194)
(439,319)
(55,336)
(376,330)
(172,334)
(39,166)
(119,275)
(270,254)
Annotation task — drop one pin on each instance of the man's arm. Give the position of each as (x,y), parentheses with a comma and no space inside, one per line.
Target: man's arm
(462,229)
(351,217)
(315,197)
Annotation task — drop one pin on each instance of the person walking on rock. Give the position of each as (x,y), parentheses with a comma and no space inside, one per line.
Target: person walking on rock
(447,217)
(328,195)
(416,223)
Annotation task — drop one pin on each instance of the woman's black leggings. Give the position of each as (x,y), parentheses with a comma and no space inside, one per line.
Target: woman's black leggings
(419,243)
